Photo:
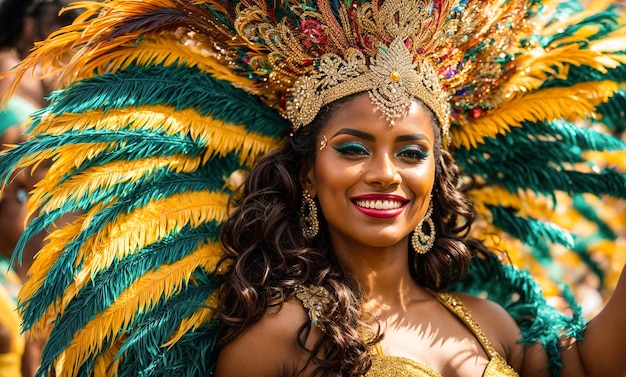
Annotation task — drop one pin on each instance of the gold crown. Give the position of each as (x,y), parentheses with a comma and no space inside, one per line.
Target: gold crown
(392,79)
(308,55)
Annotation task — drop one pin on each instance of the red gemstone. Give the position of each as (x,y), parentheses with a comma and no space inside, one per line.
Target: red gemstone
(476,112)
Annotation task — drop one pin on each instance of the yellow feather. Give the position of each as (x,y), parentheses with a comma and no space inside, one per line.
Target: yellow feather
(494,195)
(49,253)
(615,43)
(201,316)
(166,50)
(557,25)
(222,137)
(613,256)
(101,177)
(144,226)
(141,296)
(106,364)
(616,159)
(536,66)
(578,100)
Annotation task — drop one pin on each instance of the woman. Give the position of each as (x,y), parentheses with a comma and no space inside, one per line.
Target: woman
(361,254)
(374,185)
(165,105)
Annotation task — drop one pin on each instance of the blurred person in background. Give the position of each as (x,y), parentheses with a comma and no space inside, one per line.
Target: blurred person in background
(19,354)
(23,24)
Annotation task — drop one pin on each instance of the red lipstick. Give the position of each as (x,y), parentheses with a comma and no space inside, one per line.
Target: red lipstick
(380,205)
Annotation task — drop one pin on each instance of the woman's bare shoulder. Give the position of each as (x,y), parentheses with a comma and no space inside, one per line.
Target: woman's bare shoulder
(270,346)
(504,335)
(490,316)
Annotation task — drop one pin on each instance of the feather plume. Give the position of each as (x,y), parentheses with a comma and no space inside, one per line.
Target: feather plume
(579,100)
(148,290)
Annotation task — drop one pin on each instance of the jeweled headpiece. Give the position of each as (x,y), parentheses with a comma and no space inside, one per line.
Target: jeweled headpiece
(316,54)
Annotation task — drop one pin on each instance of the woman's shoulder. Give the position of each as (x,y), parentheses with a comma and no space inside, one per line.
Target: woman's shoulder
(270,345)
(504,335)
(498,326)
(488,312)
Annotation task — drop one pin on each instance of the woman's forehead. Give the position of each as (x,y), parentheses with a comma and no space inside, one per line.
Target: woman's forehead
(360,113)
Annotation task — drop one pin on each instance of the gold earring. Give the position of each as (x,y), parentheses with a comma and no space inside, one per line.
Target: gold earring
(308,216)
(420,241)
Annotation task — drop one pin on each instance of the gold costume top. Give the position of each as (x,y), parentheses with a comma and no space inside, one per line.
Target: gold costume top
(396,366)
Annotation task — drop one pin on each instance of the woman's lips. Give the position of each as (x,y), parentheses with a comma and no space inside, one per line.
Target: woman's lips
(380,206)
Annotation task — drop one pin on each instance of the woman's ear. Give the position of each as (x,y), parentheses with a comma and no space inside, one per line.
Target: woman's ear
(307,178)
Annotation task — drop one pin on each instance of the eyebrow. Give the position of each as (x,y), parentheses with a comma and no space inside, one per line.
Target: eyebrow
(370,137)
(357,133)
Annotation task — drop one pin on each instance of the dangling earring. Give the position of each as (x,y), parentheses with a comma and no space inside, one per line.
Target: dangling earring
(308,216)
(421,242)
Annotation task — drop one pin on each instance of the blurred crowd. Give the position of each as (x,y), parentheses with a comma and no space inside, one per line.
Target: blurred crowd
(23,24)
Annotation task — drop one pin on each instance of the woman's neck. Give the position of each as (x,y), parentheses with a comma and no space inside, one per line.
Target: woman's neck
(382,273)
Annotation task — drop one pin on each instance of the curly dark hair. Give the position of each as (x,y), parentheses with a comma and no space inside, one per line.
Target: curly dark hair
(263,240)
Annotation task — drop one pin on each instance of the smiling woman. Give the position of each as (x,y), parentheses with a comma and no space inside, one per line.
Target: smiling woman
(319,188)
(375,185)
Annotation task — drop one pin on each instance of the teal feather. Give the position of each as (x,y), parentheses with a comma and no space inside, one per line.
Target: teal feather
(604,230)
(143,349)
(530,231)
(522,159)
(178,87)
(567,8)
(547,180)
(581,249)
(196,352)
(541,252)
(583,73)
(106,286)
(60,274)
(607,20)
(614,111)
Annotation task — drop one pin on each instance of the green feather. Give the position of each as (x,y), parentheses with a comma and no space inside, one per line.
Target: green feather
(106,286)
(134,196)
(178,87)
(528,230)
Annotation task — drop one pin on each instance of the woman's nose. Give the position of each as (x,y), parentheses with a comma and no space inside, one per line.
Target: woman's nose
(382,170)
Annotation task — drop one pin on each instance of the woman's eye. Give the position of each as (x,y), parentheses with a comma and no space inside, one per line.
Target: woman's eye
(352,149)
(413,153)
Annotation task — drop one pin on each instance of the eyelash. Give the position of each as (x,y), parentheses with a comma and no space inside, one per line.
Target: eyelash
(413,153)
(356,149)
(352,149)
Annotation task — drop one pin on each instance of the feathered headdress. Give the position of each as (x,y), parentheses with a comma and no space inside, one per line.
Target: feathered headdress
(163,103)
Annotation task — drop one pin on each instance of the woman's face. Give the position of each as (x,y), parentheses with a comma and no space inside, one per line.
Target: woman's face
(373,181)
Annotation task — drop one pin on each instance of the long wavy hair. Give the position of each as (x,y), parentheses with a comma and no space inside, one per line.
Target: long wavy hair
(269,256)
